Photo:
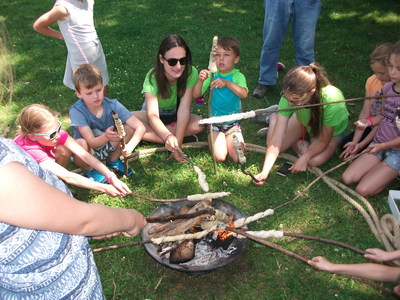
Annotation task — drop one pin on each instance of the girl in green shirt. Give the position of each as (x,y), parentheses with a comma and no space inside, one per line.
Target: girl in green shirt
(322,125)
(167,89)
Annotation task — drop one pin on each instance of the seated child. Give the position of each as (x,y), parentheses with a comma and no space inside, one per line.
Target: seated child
(373,171)
(40,135)
(93,123)
(365,125)
(228,87)
(365,270)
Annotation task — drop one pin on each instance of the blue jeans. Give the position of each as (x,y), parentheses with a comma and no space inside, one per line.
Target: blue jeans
(303,16)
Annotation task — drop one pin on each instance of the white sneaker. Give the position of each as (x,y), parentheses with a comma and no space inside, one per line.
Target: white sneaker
(263,131)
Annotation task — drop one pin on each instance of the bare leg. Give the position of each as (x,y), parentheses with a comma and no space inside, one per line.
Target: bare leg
(62,155)
(219,146)
(77,161)
(193,126)
(231,148)
(292,134)
(359,168)
(376,180)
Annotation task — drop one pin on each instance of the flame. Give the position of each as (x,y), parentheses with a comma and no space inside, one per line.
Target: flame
(224,234)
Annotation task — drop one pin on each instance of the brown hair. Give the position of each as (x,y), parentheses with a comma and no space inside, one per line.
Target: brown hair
(33,117)
(396,49)
(381,54)
(299,83)
(228,43)
(87,75)
(169,42)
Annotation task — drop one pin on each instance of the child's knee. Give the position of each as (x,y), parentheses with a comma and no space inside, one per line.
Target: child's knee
(364,190)
(83,143)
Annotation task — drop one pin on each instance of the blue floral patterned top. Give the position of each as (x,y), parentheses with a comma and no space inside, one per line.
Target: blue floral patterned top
(36,264)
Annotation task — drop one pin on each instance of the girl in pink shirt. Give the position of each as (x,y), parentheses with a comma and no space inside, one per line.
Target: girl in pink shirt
(41,137)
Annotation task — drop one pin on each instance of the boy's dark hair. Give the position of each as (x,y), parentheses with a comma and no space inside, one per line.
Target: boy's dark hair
(86,75)
(229,43)
(169,42)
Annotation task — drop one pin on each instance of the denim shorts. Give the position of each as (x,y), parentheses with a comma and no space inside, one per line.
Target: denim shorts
(390,157)
(228,129)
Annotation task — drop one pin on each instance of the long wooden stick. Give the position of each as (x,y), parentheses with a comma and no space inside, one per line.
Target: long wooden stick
(301,193)
(121,131)
(207,211)
(319,239)
(253,113)
(302,258)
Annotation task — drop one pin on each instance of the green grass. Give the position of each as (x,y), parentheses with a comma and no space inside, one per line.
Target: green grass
(130,31)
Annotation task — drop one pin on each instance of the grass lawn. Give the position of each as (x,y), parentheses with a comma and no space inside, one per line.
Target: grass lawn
(130,32)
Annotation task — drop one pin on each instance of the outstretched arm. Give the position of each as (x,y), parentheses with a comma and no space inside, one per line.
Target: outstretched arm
(273,148)
(79,180)
(370,271)
(121,188)
(42,24)
(47,208)
(137,126)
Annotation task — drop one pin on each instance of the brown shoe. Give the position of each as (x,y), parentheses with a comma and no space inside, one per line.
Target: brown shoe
(260,91)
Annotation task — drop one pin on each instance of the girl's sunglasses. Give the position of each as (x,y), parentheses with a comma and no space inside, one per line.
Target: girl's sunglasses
(53,134)
(173,61)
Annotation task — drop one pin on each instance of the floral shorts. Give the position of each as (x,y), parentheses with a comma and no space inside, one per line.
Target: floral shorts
(228,129)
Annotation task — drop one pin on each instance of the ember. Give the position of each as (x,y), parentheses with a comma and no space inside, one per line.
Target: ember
(196,256)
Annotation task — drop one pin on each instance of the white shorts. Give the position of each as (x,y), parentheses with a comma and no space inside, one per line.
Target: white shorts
(93,54)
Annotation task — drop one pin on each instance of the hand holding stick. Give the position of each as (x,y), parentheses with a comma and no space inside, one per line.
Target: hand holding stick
(121,131)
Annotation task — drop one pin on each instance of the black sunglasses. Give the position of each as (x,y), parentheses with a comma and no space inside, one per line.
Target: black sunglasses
(173,61)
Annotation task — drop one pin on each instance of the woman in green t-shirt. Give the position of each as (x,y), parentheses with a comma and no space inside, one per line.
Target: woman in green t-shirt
(323,125)
(167,89)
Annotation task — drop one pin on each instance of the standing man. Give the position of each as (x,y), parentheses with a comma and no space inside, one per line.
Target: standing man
(303,15)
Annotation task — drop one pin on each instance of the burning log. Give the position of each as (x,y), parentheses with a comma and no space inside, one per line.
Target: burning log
(183,253)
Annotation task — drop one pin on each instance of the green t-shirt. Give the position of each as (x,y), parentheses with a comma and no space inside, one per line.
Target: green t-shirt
(150,86)
(335,115)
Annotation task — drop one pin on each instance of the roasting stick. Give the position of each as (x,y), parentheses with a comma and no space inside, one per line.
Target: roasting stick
(212,67)
(299,257)
(121,131)
(257,112)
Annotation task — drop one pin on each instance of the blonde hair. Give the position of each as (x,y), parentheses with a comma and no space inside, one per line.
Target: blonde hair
(381,54)
(86,75)
(33,117)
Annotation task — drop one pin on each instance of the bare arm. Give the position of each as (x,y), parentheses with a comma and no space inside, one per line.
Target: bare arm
(239,91)
(155,122)
(101,140)
(381,255)
(139,130)
(199,85)
(50,209)
(273,148)
(121,187)
(42,24)
(370,271)
(183,115)
(79,180)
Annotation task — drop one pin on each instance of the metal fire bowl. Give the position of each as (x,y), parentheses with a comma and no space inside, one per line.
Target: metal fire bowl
(167,209)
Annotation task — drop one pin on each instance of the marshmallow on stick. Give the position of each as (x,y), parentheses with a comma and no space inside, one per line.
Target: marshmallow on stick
(212,64)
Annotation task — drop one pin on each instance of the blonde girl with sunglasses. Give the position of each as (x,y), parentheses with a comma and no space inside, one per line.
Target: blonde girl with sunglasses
(41,136)
(312,133)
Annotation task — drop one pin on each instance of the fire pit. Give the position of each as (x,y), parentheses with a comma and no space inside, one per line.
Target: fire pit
(207,258)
